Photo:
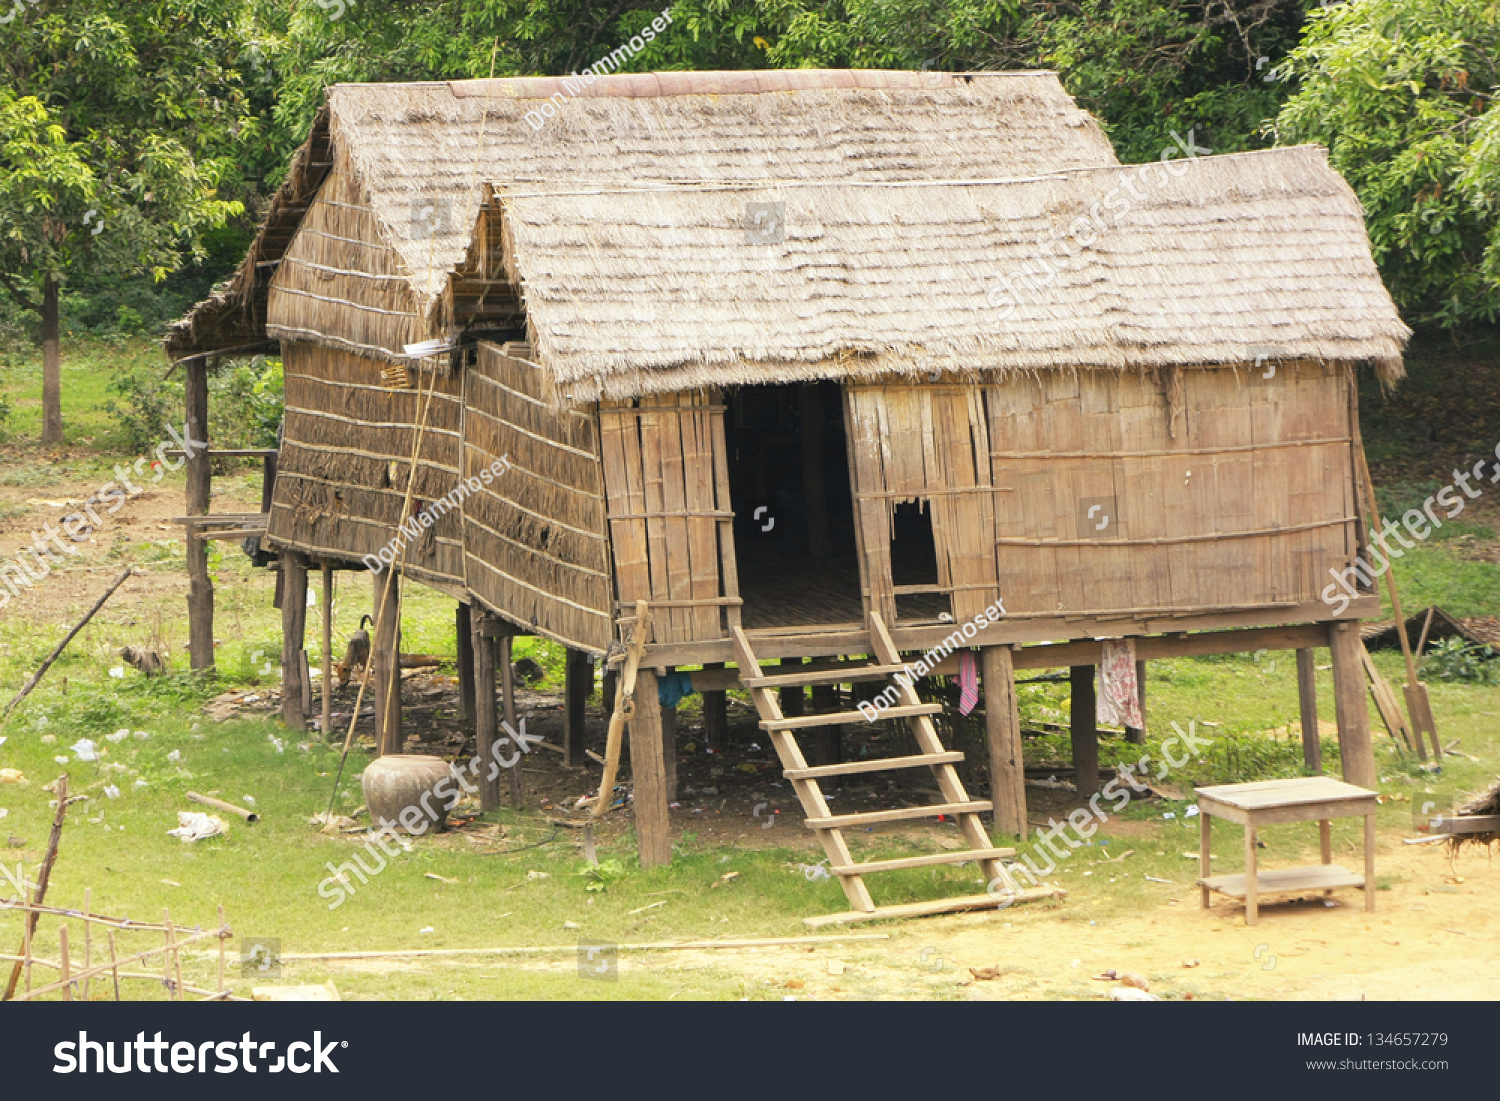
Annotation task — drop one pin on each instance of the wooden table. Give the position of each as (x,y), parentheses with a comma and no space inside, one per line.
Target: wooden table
(1306,799)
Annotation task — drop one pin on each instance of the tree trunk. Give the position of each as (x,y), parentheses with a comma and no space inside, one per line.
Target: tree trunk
(52,421)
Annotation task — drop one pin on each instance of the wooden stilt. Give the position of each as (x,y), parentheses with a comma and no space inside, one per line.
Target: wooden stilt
(669,750)
(326,681)
(293,637)
(578,685)
(791,700)
(1307,700)
(1350,709)
(1002,723)
(508,699)
(648,774)
(199,477)
(715,717)
(1085,730)
(486,715)
(464,632)
(386,663)
(1134,735)
(827,740)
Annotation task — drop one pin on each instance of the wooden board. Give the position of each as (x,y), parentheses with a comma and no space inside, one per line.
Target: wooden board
(1312,877)
(937,906)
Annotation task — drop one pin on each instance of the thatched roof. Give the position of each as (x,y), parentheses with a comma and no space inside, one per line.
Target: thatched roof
(436,144)
(1218,261)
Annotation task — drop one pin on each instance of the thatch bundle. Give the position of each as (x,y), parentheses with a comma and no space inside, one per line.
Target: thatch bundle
(1487,803)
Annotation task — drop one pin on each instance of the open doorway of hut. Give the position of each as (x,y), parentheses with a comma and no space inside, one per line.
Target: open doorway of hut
(914,564)
(794,513)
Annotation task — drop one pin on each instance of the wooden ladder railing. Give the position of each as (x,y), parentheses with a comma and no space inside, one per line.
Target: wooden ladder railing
(829,826)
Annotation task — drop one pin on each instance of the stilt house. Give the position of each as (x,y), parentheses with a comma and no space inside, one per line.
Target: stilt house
(823,366)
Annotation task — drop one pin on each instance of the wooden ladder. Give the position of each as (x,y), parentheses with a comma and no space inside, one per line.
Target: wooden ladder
(830,826)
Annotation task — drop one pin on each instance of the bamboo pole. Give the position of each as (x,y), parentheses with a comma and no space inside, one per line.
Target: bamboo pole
(29,922)
(531,950)
(26,927)
(36,677)
(67,986)
(219,804)
(88,940)
(172,959)
(624,708)
(99,969)
(114,969)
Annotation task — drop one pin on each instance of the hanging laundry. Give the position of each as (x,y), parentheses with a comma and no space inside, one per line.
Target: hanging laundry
(968,682)
(671,687)
(1119,694)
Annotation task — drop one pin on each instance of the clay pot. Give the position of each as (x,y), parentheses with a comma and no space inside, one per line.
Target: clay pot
(397,781)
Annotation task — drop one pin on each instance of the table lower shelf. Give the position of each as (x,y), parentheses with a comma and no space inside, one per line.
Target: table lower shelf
(1313,877)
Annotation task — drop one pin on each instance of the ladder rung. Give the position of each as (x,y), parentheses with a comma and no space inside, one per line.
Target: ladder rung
(836,718)
(879,764)
(838,821)
(956,857)
(846,675)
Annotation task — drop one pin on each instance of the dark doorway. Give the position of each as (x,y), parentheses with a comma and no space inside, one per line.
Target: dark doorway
(789,487)
(914,564)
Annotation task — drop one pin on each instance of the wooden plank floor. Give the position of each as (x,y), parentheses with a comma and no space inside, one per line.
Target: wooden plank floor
(784,588)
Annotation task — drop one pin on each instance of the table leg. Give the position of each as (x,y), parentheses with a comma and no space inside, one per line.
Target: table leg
(1325,839)
(1205,842)
(1252,893)
(1369,863)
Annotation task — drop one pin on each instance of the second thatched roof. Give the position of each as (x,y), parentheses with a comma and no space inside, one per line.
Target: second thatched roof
(1209,260)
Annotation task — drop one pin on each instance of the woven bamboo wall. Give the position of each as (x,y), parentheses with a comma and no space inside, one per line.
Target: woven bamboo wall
(925,443)
(670,521)
(1236,493)
(536,540)
(340,284)
(345,454)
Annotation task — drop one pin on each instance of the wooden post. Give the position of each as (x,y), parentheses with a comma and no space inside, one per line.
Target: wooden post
(486,721)
(814,476)
(1085,730)
(791,699)
(1350,708)
(326,693)
(669,750)
(715,717)
(828,740)
(1134,735)
(199,475)
(578,685)
(610,687)
(293,637)
(385,658)
(1002,724)
(464,632)
(508,699)
(648,774)
(1307,698)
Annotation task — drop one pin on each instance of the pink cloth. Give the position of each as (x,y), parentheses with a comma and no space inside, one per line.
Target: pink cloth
(1119,694)
(968,682)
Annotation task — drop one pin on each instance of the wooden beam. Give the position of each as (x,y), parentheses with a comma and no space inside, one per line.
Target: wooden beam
(293,637)
(1083,724)
(648,776)
(938,906)
(199,479)
(325,682)
(486,715)
(1002,723)
(1351,710)
(836,639)
(1307,700)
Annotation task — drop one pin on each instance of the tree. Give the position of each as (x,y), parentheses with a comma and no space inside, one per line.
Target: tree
(1403,93)
(114,120)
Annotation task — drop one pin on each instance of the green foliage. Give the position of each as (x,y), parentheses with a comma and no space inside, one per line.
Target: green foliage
(603,874)
(142,404)
(245,406)
(1403,94)
(1454,659)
